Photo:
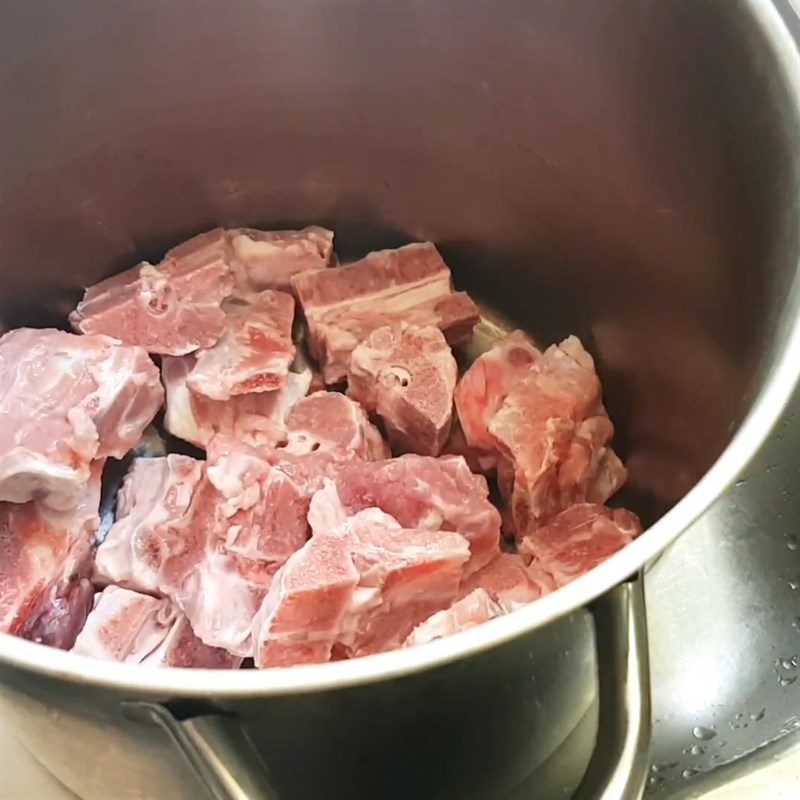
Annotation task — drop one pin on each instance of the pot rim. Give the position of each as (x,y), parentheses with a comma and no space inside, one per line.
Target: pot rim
(764,413)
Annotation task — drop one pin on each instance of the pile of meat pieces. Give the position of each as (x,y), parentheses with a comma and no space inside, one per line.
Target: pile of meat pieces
(337,500)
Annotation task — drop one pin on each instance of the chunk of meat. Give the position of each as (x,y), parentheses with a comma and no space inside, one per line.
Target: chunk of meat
(485,385)
(270,259)
(471,610)
(210,538)
(411,284)
(407,376)
(553,433)
(156,492)
(254,352)
(426,493)
(508,582)
(172,308)
(45,564)
(578,539)
(191,565)
(304,610)
(67,401)
(140,629)
(257,419)
(264,510)
(359,589)
(329,422)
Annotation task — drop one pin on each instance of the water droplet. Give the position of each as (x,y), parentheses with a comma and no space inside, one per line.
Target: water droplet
(787,681)
(789,663)
(687,773)
(699,732)
(759,715)
(654,780)
(697,750)
(738,716)
(796,623)
(792,543)
(794,584)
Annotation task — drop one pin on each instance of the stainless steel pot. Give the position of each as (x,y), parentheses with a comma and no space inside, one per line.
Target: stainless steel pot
(623,170)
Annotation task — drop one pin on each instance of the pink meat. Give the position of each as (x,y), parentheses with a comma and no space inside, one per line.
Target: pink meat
(156,492)
(471,610)
(508,582)
(264,510)
(45,563)
(140,629)
(426,493)
(329,422)
(304,610)
(485,385)
(578,539)
(208,537)
(407,376)
(360,589)
(257,419)
(67,401)
(270,259)
(172,308)
(553,433)
(254,352)
(409,285)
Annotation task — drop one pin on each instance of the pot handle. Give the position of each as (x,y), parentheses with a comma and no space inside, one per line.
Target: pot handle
(619,764)
(227,764)
(219,751)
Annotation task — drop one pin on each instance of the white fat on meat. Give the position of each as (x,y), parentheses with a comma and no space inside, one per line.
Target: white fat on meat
(155,492)
(473,609)
(136,628)
(171,308)
(256,419)
(428,493)
(254,352)
(410,285)
(360,588)
(270,259)
(67,401)
(406,375)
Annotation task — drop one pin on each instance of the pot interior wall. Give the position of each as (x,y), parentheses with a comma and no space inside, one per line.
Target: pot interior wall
(619,170)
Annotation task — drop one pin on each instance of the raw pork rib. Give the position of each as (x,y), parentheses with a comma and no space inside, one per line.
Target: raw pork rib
(172,308)
(45,563)
(486,384)
(139,629)
(411,284)
(254,352)
(424,493)
(359,589)
(270,259)
(578,539)
(329,422)
(553,434)
(508,582)
(471,610)
(68,400)
(155,492)
(210,539)
(407,376)
(257,419)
